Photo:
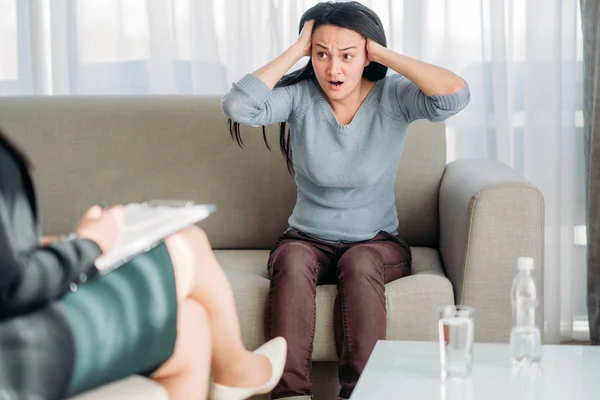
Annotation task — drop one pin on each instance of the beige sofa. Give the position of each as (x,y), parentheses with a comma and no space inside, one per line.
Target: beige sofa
(467,222)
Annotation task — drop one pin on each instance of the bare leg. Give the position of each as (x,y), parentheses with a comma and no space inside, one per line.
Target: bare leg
(202,277)
(186,374)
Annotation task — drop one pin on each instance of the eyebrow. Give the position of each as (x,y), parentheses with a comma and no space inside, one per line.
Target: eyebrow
(327,48)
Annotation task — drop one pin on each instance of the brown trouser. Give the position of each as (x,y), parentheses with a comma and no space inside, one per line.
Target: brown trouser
(297,264)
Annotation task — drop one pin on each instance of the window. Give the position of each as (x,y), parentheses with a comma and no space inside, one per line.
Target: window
(8,41)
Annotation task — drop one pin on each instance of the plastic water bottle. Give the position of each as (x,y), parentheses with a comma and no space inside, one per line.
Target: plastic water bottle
(525,338)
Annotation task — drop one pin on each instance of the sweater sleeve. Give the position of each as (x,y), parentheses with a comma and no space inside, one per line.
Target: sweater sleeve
(41,274)
(30,274)
(413,104)
(251,102)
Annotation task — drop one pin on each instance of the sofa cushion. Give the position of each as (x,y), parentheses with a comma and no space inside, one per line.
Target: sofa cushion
(134,387)
(412,302)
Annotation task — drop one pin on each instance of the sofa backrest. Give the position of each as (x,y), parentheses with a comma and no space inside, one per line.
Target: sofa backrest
(88,150)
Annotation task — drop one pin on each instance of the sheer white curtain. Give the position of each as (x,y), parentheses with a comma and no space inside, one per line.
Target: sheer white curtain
(522,59)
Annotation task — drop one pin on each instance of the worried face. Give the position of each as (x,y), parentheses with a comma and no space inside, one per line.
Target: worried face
(339,57)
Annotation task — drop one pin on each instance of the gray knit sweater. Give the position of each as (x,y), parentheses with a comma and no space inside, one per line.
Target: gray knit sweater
(345,173)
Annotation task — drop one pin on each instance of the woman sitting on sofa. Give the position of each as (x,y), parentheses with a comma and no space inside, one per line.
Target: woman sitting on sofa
(348,121)
(168,314)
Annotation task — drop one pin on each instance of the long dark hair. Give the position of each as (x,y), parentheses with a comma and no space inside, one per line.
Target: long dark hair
(15,149)
(350,15)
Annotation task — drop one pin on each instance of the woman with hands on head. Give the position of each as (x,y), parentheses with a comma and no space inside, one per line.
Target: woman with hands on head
(347,120)
(168,314)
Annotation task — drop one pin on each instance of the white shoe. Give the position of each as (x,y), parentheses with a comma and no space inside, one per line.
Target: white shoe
(276,352)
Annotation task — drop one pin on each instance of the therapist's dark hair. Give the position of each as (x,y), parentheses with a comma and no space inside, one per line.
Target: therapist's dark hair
(21,156)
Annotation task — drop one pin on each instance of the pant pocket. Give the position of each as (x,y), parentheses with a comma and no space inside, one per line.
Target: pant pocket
(402,244)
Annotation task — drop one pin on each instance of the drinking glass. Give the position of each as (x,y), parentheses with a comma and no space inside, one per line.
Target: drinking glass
(456,341)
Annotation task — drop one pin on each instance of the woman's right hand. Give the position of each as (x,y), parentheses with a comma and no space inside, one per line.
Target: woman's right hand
(305,39)
(104,227)
(272,72)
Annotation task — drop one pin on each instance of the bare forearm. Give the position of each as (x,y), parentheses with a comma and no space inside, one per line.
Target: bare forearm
(431,79)
(272,72)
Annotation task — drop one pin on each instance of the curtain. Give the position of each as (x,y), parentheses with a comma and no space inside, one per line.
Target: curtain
(591,49)
(522,59)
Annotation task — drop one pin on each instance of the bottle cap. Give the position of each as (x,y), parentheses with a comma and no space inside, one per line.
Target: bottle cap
(525,264)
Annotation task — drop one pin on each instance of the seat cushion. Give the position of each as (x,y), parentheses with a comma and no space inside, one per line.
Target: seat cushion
(134,387)
(412,302)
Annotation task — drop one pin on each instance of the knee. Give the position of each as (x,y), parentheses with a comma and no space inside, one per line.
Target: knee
(188,249)
(196,237)
(293,259)
(190,238)
(197,240)
(359,263)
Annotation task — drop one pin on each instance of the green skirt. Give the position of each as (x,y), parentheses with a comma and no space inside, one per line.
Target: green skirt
(123,323)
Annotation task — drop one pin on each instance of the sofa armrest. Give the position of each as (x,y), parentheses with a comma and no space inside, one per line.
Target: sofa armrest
(489,216)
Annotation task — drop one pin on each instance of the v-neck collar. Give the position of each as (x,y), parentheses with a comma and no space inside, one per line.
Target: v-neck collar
(357,115)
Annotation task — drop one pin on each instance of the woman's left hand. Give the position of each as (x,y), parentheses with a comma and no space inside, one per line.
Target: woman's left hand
(431,79)
(373,50)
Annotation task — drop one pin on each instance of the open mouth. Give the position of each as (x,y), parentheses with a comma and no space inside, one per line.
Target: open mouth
(336,84)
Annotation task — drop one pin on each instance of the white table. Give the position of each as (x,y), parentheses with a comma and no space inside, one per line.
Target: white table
(411,370)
